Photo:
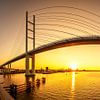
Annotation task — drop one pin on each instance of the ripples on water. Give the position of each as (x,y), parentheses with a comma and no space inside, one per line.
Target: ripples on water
(59,86)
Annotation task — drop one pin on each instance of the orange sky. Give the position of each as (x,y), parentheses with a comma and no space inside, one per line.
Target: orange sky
(85,57)
(12,34)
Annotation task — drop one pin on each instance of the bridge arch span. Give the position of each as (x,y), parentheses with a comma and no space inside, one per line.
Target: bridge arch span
(67,42)
(58,44)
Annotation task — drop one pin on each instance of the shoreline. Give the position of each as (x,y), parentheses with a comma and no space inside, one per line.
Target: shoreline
(51,72)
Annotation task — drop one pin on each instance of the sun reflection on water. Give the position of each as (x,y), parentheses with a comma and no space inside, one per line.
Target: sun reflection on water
(73,86)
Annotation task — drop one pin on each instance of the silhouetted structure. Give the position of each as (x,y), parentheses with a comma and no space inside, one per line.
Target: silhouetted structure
(47,69)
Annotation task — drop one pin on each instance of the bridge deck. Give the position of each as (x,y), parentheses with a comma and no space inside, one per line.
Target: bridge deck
(59,44)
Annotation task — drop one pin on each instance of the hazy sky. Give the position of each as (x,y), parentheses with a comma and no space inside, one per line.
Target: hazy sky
(12,33)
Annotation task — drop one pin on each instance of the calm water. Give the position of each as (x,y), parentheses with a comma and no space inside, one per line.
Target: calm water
(59,86)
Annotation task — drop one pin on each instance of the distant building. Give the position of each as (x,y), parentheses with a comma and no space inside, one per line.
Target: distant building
(47,69)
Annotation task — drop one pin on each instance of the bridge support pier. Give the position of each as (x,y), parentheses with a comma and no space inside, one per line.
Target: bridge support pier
(27,66)
(9,68)
(28,73)
(33,64)
(3,70)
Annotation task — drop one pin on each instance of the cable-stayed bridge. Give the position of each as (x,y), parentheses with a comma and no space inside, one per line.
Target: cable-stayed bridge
(67,28)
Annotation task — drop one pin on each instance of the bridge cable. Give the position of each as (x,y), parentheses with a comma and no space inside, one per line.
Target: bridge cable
(64,26)
(58,31)
(65,13)
(49,7)
(72,20)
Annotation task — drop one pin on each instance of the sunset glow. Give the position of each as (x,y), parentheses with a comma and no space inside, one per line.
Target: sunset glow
(50,49)
(73,66)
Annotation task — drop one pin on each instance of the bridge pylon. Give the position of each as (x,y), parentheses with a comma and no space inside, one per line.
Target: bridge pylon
(27,61)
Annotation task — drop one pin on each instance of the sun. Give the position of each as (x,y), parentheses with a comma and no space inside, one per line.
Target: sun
(73,66)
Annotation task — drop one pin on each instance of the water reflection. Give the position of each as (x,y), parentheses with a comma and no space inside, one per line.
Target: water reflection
(30,84)
(30,79)
(7,76)
(43,80)
(7,79)
(57,86)
(73,86)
